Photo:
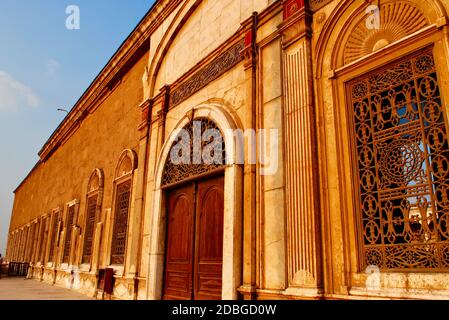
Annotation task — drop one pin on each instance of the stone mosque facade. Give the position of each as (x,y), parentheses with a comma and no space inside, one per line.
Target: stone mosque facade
(357,208)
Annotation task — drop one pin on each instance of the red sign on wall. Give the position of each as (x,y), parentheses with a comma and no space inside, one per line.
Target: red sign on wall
(291,7)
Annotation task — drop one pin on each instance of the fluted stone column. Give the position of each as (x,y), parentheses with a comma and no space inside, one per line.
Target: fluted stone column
(303,230)
(249,55)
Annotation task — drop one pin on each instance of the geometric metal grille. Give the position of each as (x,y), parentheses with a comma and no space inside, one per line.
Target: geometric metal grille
(176,173)
(402,155)
(54,237)
(68,237)
(90,227)
(42,242)
(121,223)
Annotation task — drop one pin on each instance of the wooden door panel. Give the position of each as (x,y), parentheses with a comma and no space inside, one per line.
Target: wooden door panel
(180,240)
(209,239)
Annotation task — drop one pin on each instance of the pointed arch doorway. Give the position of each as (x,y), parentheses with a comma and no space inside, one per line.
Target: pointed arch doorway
(194,182)
(168,178)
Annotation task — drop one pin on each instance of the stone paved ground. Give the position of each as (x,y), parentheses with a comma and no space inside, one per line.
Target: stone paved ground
(21,289)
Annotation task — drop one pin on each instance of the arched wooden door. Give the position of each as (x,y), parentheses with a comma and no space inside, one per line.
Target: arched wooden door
(194,254)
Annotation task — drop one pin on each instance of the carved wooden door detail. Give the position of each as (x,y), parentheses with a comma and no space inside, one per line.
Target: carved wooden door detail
(194,255)
(180,237)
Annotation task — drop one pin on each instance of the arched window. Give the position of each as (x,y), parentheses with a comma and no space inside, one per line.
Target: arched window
(198,149)
(122,203)
(44,239)
(402,158)
(70,222)
(94,198)
(55,230)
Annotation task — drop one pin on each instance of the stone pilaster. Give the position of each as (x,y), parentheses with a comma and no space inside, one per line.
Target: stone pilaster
(46,240)
(40,240)
(135,227)
(22,244)
(19,245)
(301,169)
(105,259)
(96,247)
(8,247)
(74,242)
(26,231)
(36,242)
(155,250)
(17,250)
(29,243)
(26,257)
(15,246)
(249,54)
(52,221)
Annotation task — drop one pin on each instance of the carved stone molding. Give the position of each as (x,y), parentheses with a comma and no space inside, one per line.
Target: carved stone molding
(293,6)
(249,53)
(145,108)
(165,105)
(315,5)
(296,25)
(397,20)
(177,173)
(207,74)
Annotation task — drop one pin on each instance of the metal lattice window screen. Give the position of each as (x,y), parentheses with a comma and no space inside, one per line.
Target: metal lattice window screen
(54,235)
(90,228)
(43,241)
(176,173)
(121,223)
(402,157)
(68,236)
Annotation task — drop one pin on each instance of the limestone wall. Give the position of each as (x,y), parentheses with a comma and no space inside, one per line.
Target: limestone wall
(97,143)
(209,26)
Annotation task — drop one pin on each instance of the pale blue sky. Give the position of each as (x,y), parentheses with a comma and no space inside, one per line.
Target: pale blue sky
(43,67)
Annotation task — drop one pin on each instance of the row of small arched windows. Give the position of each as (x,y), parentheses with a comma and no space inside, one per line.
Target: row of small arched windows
(37,242)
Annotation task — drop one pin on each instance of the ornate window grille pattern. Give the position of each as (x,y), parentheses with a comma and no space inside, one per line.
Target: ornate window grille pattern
(176,173)
(68,236)
(43,242)
(402,156)
(121,223)
(90,228)
(54,237)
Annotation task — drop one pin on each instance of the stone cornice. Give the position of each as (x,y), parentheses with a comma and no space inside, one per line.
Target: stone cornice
(107,79)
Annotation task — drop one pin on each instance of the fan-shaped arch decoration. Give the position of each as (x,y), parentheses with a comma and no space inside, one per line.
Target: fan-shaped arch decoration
(398,19)
(126,164)
(178,171)
(94,199)
(96,181)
